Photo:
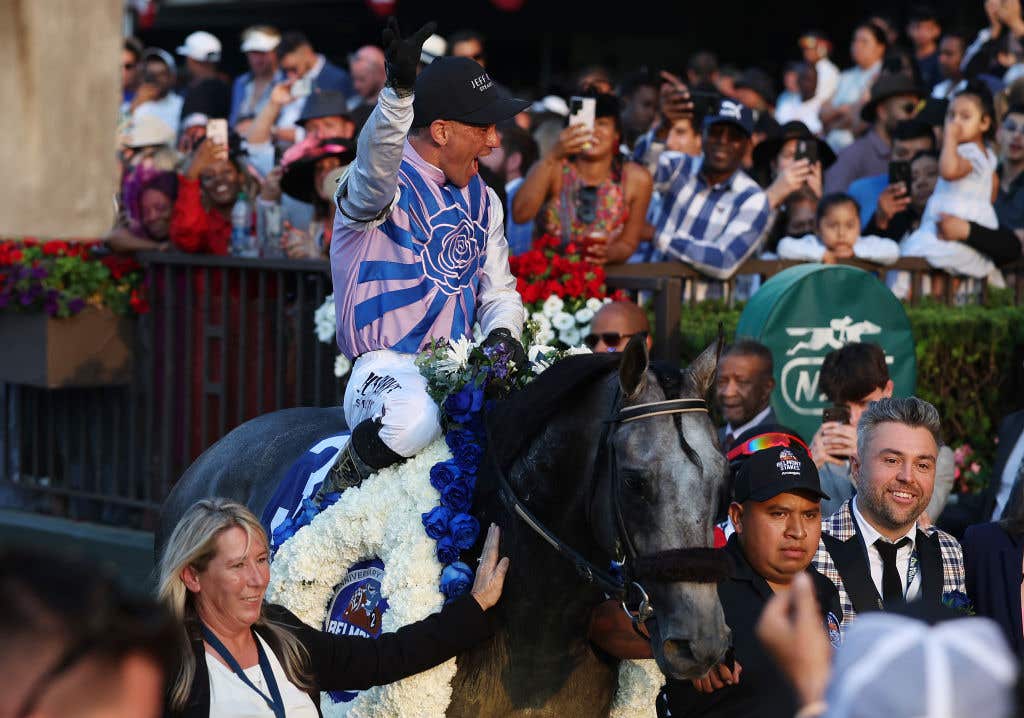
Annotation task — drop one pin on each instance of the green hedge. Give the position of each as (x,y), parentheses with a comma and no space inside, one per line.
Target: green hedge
(968,361)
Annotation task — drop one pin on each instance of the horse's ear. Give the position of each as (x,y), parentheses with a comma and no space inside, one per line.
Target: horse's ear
(633,369)
(705,367)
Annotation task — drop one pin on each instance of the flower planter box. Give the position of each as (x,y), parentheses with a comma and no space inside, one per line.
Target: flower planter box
(92,348)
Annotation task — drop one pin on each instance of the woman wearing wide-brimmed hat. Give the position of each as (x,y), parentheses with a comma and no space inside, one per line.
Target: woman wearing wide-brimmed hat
(308,173)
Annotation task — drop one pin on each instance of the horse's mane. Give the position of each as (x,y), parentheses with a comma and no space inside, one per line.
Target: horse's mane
(513,422)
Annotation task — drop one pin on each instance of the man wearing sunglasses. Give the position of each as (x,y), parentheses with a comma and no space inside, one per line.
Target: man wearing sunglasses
(614,325)
(419,253)
(894,98)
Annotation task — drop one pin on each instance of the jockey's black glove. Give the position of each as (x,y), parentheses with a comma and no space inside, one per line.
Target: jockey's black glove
(502,339)
(401,57)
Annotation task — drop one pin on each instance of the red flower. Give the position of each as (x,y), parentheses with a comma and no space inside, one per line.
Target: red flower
(55,248)
(138,302)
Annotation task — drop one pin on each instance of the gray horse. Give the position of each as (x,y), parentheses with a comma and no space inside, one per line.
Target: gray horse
(546,442)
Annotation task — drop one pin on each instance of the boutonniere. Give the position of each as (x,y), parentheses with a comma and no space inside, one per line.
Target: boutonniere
(959,602)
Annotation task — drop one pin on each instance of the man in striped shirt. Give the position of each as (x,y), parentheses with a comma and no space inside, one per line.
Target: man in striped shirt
(712,215)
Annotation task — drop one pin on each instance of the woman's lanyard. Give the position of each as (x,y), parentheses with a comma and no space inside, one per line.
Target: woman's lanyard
(274,701)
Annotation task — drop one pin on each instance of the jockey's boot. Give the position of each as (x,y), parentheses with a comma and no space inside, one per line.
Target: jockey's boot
(365,454)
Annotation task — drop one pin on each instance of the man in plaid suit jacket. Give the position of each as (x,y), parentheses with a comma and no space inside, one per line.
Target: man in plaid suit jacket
(872,548)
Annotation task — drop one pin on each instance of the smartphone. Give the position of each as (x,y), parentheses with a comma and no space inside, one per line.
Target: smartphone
(899,171)
(839,413)
(301,87)
(806,150)
(217,131)
(583,111)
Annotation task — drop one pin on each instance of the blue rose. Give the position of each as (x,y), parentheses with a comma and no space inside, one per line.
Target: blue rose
(468,457)
(458,496)
(447,551)
(464,530)
(436,521)
(457,438)
(464,403)
(456,579)
(454,254)
(957,601)
(444,473)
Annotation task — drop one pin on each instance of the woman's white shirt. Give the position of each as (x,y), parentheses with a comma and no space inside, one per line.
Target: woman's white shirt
(231,698)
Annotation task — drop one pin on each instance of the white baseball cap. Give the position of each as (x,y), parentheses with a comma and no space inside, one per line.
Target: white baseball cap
(149,131)
(434,47)
(201,46)
(260,40)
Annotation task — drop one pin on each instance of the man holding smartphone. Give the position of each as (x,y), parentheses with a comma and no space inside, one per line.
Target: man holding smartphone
(777,515)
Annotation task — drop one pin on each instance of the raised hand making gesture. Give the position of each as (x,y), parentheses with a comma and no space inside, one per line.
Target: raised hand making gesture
(401,57)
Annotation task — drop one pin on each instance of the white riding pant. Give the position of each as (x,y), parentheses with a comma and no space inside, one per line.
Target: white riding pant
(386,385)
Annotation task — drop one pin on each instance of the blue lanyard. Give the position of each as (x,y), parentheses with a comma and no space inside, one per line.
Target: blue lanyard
(274,701)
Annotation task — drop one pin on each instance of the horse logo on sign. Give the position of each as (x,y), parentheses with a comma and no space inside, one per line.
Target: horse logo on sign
(838,333)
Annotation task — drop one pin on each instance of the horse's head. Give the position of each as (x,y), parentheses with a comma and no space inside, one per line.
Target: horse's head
(665,476)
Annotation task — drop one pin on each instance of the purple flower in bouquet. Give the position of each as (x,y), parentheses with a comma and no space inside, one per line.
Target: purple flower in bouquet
(38,273)
(76,305)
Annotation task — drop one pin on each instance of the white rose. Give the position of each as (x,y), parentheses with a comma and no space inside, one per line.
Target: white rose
(553,305)
(541,321)
(593,304)
(341,365)
(545,337)
(606,300)
(324,320)
(563,321)
(540,351)
(570,336)
(584,315)
(585,330)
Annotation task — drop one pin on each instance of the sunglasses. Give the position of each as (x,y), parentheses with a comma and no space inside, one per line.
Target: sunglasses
(611,339)
(586,204)
(1013,128)
(764,441)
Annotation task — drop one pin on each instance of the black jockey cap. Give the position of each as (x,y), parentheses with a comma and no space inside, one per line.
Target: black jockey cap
(457,88)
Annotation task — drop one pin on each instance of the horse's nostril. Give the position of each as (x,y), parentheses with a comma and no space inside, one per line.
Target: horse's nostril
(678,651)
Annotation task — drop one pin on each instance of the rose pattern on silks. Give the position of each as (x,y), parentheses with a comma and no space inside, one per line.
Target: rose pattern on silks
(452,256)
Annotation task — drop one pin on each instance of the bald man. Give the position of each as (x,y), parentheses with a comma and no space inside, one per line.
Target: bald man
(613,326)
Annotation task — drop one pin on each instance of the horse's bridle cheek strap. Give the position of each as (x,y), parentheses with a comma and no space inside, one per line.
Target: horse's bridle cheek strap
(689,565)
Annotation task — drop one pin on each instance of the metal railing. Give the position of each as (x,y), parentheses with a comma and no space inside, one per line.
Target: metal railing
(228,339)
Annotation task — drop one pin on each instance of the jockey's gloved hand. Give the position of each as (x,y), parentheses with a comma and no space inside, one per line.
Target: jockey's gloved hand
(401,57)
(503,340)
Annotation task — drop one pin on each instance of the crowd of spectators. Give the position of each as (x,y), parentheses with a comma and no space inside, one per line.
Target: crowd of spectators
(920,138)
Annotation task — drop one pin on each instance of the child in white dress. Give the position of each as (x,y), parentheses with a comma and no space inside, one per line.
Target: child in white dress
(839,236)
(965,188)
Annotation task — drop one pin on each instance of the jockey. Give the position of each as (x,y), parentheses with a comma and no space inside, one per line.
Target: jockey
(418,251)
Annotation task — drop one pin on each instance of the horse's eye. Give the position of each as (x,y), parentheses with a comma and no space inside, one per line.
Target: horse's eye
(634,480)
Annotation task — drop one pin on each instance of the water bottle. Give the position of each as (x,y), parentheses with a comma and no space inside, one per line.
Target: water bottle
(241,235)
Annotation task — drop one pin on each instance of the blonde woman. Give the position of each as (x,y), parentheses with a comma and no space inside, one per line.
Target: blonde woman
(243,657)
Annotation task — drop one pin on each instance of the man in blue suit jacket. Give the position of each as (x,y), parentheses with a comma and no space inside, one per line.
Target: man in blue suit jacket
(302,65)
(993,553)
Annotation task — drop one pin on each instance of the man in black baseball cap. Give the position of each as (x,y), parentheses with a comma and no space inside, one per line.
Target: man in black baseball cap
(777,519)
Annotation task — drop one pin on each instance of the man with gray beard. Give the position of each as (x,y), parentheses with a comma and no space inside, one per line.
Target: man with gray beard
(873,548)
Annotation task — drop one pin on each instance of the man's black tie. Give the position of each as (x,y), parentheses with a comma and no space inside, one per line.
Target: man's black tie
(728,443)
(892,584)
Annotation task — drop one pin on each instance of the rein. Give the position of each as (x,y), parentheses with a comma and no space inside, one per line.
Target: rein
(698,565)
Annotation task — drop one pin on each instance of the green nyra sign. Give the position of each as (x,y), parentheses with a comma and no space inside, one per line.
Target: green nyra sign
(805,312)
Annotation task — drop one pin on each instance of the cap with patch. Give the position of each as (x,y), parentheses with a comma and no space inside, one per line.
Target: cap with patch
(457,88)
(776,470)
(734,113)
